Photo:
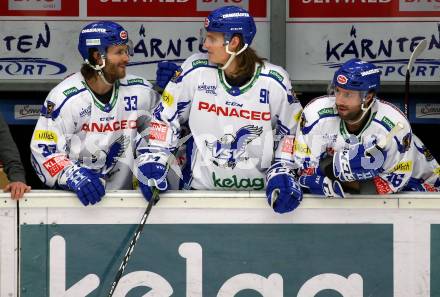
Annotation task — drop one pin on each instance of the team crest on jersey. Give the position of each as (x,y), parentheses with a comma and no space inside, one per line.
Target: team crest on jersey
(50,108)
(231,149)
(105,161)
(292,98)
(114,154)
(427,153)
(176,76)
(406,143)
(302,121)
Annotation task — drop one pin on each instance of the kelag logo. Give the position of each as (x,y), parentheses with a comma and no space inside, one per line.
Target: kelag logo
(382,52)
(30,66)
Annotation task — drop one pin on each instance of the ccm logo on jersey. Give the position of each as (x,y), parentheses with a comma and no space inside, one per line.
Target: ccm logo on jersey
(113,126)
(56,164)
(234,112)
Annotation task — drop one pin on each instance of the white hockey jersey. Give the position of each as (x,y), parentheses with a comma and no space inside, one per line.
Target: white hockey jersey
(75,127)
(235,131)
(321,132)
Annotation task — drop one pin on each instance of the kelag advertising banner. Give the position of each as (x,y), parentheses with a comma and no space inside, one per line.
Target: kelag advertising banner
(221,244)
(209,260)
(321,35)
(39,40)
(225,245)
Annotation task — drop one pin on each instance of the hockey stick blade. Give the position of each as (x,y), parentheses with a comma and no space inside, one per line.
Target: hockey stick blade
(417,51)
(133,241)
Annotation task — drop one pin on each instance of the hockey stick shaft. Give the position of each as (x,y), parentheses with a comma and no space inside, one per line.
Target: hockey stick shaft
(385,140)
(417,51)
(133,242)
(389,137)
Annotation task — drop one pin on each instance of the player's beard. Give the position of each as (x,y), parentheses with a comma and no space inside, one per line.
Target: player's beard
(350,116)
(112,72)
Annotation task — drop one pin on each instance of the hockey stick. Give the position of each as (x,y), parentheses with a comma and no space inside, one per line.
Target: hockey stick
(417,51)
(383,142)
(133,242)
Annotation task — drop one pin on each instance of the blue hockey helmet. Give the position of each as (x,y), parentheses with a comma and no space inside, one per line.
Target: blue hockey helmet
(232,20)
(357,75)
(100,35)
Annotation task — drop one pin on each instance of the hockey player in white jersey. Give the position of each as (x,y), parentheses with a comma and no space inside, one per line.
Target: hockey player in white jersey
(84,140)
(241,112)
(368,141)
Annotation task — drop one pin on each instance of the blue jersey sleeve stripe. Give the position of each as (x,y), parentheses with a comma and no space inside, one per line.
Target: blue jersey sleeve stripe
(270,76)
(307,129)
(57,111)
(382,124)
(193,68)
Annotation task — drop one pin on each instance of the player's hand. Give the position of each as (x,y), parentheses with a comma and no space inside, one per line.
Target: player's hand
(165,71)
(319,184)
(17,189)
(357,162)
(152,174)
(282,191)
(84,182)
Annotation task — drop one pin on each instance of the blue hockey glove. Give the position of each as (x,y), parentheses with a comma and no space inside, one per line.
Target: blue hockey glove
(152,173)
(165,71)
(282,191)
(319,184)
(84,182)
(355,162)
(419,185)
